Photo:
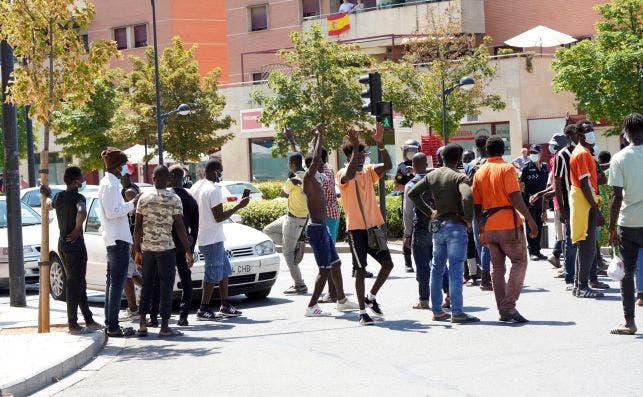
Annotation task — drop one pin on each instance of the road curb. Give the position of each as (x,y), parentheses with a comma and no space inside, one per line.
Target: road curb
(57,371)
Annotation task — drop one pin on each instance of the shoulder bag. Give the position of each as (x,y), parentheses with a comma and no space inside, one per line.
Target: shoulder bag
(377,234)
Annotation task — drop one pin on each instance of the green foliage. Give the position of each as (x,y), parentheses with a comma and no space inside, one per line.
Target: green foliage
(321,88)
(184,137)
(86,127)
(22,135)
(444,55)
(606,75)
(270,189)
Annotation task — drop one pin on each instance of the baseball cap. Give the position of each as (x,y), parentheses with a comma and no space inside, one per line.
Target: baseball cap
(559,140)
(535,149)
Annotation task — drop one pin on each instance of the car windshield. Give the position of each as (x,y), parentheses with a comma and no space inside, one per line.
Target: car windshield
(29,217)
(237,188)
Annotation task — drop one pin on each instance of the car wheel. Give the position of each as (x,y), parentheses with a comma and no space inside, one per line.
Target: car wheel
(57,278)
(262,294)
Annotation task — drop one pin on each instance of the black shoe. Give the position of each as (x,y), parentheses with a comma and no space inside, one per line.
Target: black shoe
(534,257)
(365,319)
(375,308)
(541,256)
(183,322)
(296,290)
(206,315)
(153,323)
(366,274)
(409,269)
(515,317)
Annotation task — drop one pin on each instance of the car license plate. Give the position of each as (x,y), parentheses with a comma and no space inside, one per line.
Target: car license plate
(244,268)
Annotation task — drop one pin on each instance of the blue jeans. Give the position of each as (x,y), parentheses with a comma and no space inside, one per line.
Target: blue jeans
(422,245)
(483,252)
(450,242)
(117,263)
(639,272)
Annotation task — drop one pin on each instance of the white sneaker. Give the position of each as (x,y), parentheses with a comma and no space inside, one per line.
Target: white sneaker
(347,306)
(316,311)
(129,315)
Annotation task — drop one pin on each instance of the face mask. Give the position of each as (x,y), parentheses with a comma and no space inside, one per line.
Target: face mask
(552,149)
(319,177)
(123,169)
(590,138)
(595,150)
(82,186)
(533,157)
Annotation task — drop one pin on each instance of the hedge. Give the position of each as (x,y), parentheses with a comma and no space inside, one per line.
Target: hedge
(271,189)
(260,213)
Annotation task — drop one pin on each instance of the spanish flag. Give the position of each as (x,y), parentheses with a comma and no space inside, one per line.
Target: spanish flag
(338,24)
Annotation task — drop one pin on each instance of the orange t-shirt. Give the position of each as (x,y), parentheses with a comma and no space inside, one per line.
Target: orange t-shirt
(492,184)
(365,180)
(582,165)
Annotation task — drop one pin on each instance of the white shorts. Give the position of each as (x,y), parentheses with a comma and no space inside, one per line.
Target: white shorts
(131,269)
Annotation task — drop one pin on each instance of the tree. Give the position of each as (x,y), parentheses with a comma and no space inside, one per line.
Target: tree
(322,88)
(415,83)
(87,125)
(606,74)
(184,137)
(57,69)
(22,135)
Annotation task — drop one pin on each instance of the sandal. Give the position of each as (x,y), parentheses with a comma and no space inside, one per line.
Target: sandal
(422,306)
(464,319)
(442,316)
(121,333)
(623,329)
(171,334)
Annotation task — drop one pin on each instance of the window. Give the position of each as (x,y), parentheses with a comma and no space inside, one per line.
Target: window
(263,167)
(258,18)
(310,8)
(93,222)
(140,36)
(120,37)
(84,38)
(257,77)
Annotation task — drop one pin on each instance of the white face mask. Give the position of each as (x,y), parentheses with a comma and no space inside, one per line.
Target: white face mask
(533,157)
(590,138)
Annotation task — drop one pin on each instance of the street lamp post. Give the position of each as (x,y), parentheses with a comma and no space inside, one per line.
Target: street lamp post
(466,83)
(157,83)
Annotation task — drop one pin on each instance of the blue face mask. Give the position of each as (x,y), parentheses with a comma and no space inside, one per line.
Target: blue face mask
(552,149)
(82,186)
(124,169)
(595,150)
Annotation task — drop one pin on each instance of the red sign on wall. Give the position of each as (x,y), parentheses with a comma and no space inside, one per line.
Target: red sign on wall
(250,121)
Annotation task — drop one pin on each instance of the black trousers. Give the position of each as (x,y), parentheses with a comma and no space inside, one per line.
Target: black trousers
(158,265)
(631,241)
(185,275)
(534,243)
(74,260)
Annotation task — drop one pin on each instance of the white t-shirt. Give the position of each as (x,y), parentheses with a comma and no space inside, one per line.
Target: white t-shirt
(208,195)
(346,7)
(624,172)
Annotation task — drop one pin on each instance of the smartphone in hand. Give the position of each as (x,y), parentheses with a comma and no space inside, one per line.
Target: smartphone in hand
(246,193)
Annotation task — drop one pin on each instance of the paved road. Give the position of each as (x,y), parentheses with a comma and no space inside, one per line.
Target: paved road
(565,349)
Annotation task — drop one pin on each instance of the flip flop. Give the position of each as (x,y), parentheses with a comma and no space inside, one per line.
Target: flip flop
(421,306)
(173,333)
(441,317)
(623,330)
(464,320)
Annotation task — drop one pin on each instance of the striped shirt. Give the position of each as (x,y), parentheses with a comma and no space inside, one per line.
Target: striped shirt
(561,169)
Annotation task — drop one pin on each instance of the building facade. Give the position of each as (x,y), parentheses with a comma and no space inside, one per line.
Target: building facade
(257,29)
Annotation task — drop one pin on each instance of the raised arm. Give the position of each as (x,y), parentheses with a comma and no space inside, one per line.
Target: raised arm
(317,152)
(378,137)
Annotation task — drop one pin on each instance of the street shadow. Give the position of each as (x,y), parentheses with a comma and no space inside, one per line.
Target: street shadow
(246,320)
(548,323)
(610,298)
(312,331)
(164,352)
(527,289)
(474,309)
(267,302)
(209,326)
(407,325)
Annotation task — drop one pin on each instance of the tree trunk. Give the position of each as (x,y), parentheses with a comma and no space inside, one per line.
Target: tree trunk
(43,314)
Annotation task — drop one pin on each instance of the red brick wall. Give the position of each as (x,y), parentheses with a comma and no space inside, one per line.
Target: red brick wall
(505,19)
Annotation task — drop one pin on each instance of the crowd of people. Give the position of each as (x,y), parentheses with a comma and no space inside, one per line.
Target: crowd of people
(462,220)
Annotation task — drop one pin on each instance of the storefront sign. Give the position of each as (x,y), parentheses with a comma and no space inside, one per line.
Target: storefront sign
(250,121)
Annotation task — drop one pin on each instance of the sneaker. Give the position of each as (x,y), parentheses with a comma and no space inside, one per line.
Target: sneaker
(129,315)
(513,317)
(206,315)
(639,299)
(541,256)
(375,308)
(296,290)
(534,257)
(230,311)
(183,322)
(347,305)
(409,269)
(587,293)
(555,261)
(598,285)
(365,319)
(316,311)
(366,275)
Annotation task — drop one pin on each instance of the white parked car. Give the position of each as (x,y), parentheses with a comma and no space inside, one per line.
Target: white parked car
(255,264)
(233,190)
(31,195)
(30,243)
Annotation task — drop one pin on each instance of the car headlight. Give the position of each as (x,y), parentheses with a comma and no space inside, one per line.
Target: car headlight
(265,248)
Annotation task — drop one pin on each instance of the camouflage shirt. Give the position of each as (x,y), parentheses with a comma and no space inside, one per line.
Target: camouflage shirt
(158,209)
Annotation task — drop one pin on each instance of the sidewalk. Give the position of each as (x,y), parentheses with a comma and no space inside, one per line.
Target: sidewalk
(31,361)
(394,245)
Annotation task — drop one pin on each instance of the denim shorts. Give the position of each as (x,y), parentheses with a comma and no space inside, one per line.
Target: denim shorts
(217,266)
(322,245)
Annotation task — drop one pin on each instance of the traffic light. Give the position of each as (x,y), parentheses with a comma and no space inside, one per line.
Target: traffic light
(385,114)
(373,93)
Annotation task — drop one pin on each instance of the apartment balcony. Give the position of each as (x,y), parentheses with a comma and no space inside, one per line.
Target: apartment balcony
(370,26)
